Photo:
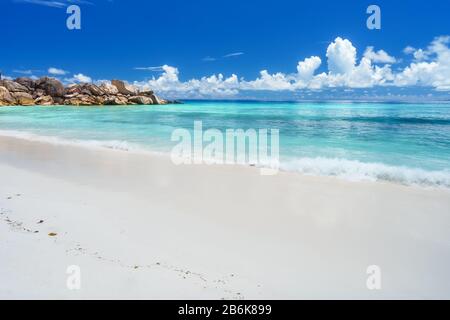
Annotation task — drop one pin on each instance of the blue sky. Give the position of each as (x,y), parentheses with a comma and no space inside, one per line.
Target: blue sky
(132,40)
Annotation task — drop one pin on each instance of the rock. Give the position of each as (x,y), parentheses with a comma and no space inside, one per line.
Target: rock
(147,93)
(109,89)
(140,100)
(155,99)
(100,100)
(116,100)
(81,100)
(30,84)
(13,86)
(58,101)
(51,86)
(23,98)
(70,96)
(94,90)
(123,88)
(73,89)
(38,93)
(84,88)
(44,101)
(6,99)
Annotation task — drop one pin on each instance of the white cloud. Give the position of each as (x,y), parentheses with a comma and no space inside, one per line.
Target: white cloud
(276,82)
(418,54)
(54,4)
(307,67)
(434,73)
(409,50)
(26,72)
(379,56)
(56,71)
(79,78)
(233,54)
(344,70)
(157,68)
(341,56)
(169,83)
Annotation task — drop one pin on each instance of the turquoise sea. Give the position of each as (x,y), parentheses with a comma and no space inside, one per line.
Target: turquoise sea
(404,143)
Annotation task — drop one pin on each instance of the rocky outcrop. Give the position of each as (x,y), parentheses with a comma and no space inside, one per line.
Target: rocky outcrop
(124,89)
(141,100)
(6,99)
(23,98)
(51,86)
(116,101)
(109,88)
(44,101)
(30,84)
(81,100)
(85,88)
(13,86)
(49,91)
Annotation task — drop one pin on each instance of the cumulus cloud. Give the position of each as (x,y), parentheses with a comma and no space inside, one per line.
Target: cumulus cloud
(341,56)
(434,73)
(79,78)
(266,81)
(430,68)
(409,50)
(56,71)
(169,83)
(379,56)
(418,54)
(307,67)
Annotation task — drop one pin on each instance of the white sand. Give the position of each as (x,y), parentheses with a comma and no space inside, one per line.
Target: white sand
(140,227)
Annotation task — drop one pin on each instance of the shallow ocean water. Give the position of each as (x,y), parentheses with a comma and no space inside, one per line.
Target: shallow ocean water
(405,143)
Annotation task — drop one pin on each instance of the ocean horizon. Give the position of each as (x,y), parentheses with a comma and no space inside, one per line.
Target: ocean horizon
(404,143)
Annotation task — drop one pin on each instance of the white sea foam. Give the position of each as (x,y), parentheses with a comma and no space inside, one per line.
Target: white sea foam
(108,144)
(359,171)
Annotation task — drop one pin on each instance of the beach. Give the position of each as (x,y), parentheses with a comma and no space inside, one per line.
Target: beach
(140,227)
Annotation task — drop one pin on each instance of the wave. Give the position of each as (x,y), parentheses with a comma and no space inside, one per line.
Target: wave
(119,145)
(360,171)
(353,170)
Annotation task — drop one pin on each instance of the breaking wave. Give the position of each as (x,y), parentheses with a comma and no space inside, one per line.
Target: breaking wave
(359,171)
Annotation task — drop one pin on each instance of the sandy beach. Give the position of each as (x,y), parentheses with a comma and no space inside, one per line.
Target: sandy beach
(140,227)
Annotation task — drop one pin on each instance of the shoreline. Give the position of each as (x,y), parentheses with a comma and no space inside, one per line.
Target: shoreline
(230,234)
(434,179)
